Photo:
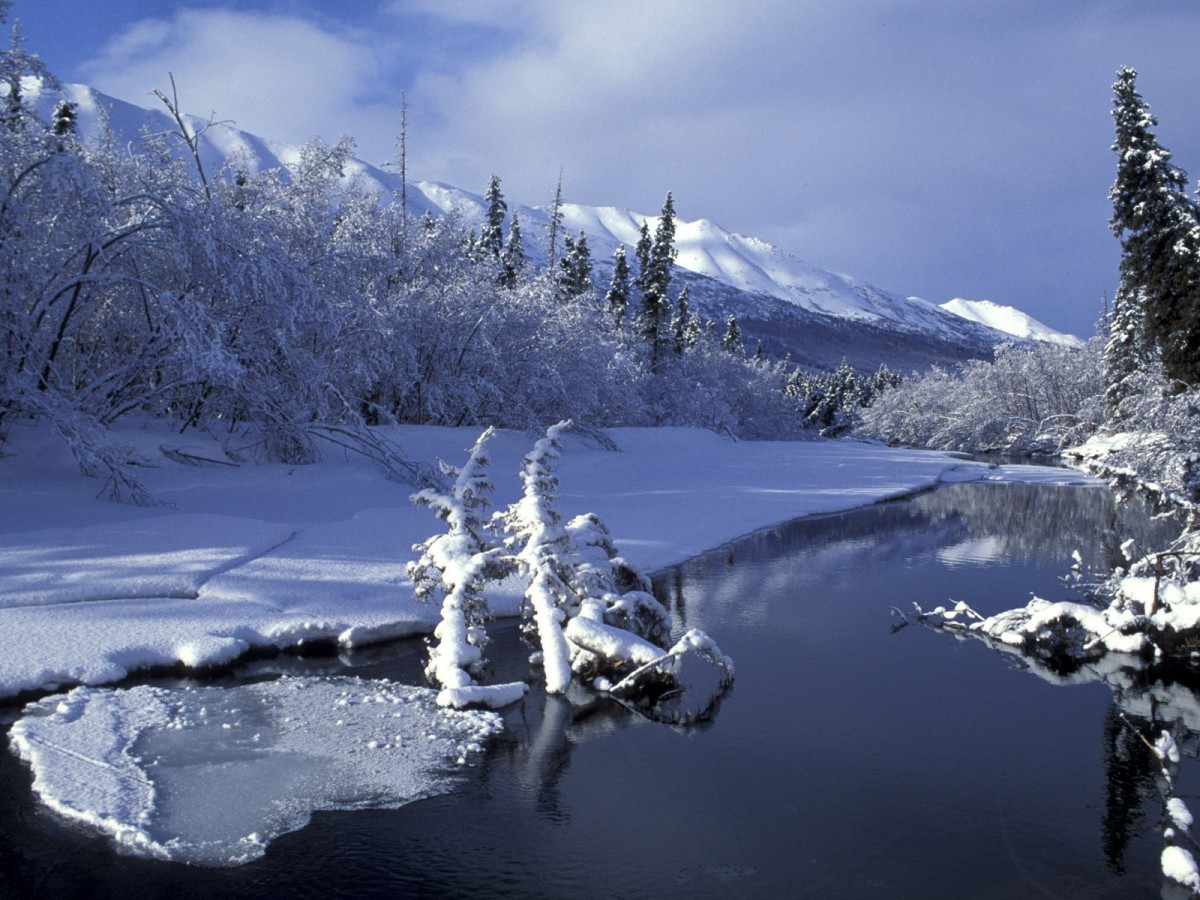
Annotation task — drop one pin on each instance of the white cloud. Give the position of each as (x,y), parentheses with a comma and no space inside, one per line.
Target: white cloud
(283,78)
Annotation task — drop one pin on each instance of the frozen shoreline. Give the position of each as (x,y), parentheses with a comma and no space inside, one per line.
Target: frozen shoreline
(264,555)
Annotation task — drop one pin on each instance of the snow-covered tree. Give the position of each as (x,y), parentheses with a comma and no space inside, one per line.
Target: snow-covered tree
(554,223)
(16,64)
(1040,398)
(732,341)
(513,260)
(491,233)
(617,298)
(540,546)
(1126,354)
(1159,228)
(679,327)
(656,262)
(575,268)
(454,567)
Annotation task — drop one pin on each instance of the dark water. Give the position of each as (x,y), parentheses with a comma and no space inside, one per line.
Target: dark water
(847,761)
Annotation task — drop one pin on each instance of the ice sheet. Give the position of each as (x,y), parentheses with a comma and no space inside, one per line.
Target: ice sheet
(210,775)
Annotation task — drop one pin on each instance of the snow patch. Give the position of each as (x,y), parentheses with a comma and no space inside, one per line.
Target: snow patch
(210,775)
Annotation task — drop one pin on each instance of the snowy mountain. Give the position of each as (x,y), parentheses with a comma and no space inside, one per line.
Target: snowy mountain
(817,316)
(1009,320)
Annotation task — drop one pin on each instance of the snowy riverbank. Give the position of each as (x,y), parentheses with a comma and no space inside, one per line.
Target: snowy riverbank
(273,555)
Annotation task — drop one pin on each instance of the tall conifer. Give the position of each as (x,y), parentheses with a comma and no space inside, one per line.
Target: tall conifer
(1159,230)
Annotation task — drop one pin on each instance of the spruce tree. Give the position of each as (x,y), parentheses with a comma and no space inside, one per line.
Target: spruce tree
(732,342)
(555,223)
(1159,230)
(17,63)
(575,268)
(491,233)
(1125,352)
(63,119)
(682,320)
(654,281)
(692,331)
(641,252)
(617,298)
(513,259)
(581,267)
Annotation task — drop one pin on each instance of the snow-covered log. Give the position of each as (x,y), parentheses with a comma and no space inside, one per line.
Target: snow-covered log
(492,696)
(664,671)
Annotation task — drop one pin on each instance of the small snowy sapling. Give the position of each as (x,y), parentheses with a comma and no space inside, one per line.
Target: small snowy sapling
(453,568)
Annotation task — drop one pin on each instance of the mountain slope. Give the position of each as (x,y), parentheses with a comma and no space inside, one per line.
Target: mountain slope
(819,317)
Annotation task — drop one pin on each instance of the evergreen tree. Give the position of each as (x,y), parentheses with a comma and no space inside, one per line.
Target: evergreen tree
(693,331)
(682,320)
(732,342)
(641,252)
(575,268)
(491,233)
(583,265)
(555,223)
(883,379)
(654,280)
(617,298)
(1159,230)
(63,119)
(454,567)
(17,63)
(513,259)
(1125,352)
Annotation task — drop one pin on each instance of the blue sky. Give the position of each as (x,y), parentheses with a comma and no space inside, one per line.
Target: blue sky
(933,147)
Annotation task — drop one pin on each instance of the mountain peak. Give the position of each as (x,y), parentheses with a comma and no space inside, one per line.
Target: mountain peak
(1009,320)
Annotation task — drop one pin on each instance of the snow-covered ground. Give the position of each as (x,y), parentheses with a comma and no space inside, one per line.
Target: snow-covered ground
(274,555)
(239,556)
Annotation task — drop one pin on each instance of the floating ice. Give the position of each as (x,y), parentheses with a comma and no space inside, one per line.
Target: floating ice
(210,775)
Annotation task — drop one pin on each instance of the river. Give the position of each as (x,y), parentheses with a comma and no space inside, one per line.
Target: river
(848,760)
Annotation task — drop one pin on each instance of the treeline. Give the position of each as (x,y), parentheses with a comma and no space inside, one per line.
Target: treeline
(289,308)
(1140,379)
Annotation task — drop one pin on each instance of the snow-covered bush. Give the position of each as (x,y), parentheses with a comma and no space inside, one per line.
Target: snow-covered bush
(1036,399)
(1154,444)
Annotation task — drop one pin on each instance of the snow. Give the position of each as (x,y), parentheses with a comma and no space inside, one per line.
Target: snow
(493,696)
(1008,320)
(1179,814)
(273,555)
(1180,866)
(210,775)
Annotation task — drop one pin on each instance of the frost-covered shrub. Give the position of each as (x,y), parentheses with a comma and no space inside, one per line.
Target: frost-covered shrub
(1155,443)
(1036,399)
